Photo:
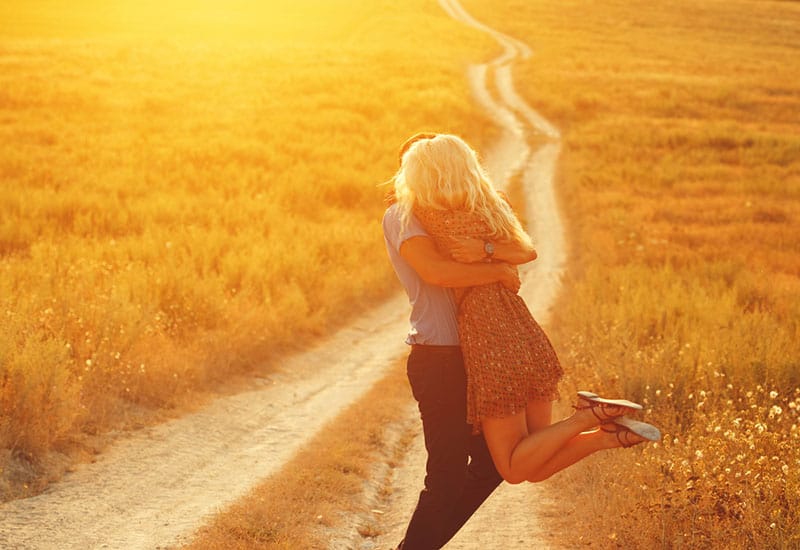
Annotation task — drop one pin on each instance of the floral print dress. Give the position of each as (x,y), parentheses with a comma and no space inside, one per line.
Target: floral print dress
(508,358)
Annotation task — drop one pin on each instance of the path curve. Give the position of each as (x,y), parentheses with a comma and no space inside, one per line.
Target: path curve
(154,488)
(512,517)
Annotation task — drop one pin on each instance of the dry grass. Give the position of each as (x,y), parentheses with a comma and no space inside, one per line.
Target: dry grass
(681,179)
(321,489)
(188,189)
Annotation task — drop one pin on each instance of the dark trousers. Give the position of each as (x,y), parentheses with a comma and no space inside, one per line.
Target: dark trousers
(460,473)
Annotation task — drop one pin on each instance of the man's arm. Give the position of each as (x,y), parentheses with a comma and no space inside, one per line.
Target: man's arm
(470,250)
(435,269)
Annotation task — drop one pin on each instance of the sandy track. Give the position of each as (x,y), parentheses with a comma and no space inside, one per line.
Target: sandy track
(153,489)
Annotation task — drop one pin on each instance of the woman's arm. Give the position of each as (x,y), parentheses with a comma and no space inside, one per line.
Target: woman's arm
(471,250)
(435,269)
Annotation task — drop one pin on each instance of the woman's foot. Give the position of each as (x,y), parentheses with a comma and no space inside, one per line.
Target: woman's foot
(602,409)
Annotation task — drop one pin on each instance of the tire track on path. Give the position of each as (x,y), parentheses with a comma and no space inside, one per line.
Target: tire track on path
(512,517)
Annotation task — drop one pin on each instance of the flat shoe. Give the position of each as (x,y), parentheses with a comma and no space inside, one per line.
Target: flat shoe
(597,404)
(589,396)
(622,426)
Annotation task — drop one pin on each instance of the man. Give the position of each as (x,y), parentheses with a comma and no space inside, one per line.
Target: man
(460,474)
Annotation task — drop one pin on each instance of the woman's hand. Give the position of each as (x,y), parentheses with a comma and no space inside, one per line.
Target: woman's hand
(466,249)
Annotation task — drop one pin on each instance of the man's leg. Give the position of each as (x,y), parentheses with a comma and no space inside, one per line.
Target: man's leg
(439,385)
(482,479)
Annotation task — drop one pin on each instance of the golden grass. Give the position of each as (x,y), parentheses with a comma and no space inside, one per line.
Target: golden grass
(320,490)
(187,190)
(680,178)
(180,203)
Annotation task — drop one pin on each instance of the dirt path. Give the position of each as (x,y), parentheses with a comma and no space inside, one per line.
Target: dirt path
(153,489)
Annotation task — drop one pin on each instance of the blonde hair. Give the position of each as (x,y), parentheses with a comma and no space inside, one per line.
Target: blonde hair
(444,173)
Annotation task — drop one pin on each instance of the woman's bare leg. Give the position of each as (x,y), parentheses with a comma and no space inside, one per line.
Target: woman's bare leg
(526,446)
(575,450)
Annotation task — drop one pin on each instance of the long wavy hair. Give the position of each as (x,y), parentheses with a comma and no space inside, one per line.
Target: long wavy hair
(444,173)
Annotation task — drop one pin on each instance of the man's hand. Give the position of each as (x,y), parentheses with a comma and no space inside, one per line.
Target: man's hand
(510,277)
(466,249)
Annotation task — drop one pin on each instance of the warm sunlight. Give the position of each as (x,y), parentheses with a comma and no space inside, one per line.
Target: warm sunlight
(239,20)
(196,298)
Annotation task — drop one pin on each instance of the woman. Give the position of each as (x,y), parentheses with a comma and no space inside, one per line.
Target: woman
(512,370)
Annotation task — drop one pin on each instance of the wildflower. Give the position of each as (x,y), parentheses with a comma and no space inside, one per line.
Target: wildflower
(698,453)
(773,394)
(88,362)
(775,411)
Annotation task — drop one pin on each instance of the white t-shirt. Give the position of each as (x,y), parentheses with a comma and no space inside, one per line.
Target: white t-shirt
(433,308)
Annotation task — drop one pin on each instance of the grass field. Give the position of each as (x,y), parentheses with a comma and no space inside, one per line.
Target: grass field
(680,178)
(183,195)
(187,189)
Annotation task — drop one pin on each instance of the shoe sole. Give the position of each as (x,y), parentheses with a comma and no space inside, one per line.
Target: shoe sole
(642,429)
(589,396)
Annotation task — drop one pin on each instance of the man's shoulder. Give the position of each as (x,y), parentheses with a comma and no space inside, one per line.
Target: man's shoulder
(395,231)
(391,219)
(392,210)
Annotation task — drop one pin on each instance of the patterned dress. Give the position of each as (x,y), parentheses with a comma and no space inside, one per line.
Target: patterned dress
(507,356)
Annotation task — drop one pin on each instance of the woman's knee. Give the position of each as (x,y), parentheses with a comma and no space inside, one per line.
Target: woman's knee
(512,477)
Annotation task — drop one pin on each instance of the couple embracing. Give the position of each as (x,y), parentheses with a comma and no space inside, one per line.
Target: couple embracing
(481,369)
